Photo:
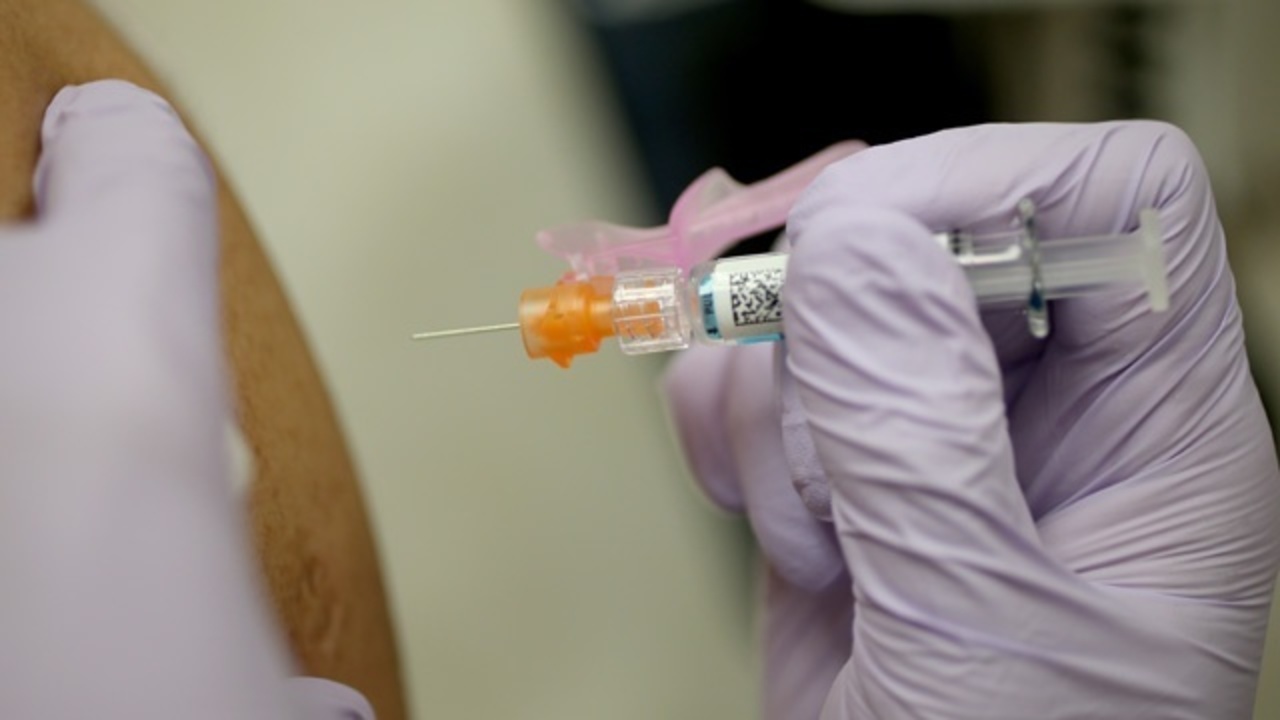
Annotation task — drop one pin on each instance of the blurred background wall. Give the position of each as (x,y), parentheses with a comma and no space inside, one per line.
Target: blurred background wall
(546,552)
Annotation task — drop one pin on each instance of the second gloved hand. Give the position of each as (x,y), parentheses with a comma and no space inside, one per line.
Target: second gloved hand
(962,521)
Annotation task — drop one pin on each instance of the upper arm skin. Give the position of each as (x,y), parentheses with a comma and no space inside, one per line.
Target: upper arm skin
(308,517)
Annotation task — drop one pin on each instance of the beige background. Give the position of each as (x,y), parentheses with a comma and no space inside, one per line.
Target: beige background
(546,553)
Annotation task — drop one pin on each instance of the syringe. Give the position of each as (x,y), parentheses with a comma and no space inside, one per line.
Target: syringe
(737,300)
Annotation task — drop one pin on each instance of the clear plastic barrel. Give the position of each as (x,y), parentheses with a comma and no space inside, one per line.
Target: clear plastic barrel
(999,267)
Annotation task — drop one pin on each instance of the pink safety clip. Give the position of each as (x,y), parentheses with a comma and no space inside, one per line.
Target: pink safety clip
(711,215)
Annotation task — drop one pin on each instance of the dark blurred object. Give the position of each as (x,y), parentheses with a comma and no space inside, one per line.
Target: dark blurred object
(756,85)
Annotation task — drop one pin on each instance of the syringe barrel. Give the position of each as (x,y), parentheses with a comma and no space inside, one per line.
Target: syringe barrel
(738,300)
(1000,267)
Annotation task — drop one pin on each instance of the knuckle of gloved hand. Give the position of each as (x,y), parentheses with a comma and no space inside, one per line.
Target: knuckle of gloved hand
(1172,167)
(1175,181)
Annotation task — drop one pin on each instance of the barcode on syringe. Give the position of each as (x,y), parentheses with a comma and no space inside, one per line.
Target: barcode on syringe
(756,296)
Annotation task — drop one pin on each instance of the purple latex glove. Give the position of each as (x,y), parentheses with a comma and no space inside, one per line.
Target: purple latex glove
(961,521)
(129,589)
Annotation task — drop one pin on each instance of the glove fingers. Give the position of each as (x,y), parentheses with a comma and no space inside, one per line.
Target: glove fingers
(117,162)
(1117,394)
(128,244)
(696,389)
(110,299)
(807,475)
(806,643)
(903,394)
(801,548)
(130,590)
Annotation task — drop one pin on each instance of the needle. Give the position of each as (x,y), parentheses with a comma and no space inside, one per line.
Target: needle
(466,331)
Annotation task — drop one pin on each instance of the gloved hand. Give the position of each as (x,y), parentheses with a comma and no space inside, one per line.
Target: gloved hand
(961,521)
(129,589)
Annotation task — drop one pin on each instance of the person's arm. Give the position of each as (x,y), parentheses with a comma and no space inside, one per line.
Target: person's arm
(308,518)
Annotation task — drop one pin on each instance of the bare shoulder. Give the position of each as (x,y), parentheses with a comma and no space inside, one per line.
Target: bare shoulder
(309,520)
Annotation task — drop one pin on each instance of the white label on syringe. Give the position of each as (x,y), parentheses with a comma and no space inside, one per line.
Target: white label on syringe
(742,299)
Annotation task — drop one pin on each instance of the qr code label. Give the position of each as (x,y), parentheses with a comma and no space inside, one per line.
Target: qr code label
(756,296)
